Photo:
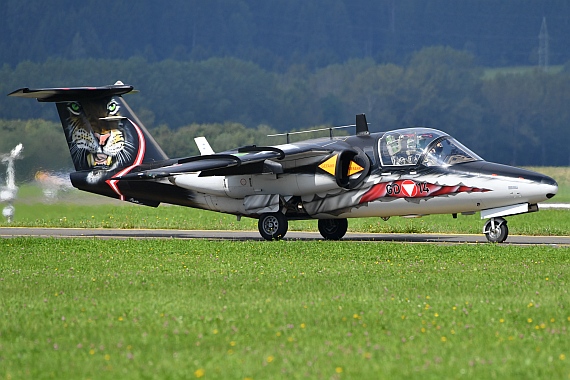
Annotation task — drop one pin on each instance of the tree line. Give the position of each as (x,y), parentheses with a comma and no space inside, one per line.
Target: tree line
(45,147)
(514,117)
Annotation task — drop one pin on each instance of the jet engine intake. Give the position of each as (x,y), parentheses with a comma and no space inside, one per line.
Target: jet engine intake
(349,167)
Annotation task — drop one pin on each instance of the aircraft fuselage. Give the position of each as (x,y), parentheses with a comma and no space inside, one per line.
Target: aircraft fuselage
(405,172)
(408,190)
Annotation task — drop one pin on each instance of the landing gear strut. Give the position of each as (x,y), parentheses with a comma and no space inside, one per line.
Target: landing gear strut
(273,226)
(496,230)
(333,229)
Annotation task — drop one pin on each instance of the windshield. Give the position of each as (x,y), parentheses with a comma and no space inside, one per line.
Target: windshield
(408,147)
(447,152)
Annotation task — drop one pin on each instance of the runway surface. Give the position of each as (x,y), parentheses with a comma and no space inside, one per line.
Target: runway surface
(9,232)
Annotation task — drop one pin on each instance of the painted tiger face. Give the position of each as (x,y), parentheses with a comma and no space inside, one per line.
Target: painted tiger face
(97,137)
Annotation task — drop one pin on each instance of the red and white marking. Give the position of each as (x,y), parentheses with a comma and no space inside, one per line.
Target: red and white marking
(409,188)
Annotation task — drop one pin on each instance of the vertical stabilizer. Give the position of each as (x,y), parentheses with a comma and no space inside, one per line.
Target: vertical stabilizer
(102,131)
(104,136)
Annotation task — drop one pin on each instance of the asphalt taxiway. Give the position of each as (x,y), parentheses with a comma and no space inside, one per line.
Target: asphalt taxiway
(10,232)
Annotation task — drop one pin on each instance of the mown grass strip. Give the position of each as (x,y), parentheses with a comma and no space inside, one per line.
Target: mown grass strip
(82,210)
(84,308)
(545,222)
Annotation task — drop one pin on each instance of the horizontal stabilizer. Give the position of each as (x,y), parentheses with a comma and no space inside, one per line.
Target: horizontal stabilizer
(71,93)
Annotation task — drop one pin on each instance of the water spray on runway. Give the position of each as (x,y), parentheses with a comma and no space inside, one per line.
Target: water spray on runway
(9,192)
(52,184)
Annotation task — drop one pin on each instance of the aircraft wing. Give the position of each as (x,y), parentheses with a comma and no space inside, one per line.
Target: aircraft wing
(245,160)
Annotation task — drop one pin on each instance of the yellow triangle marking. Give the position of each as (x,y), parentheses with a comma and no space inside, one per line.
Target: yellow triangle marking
(329,165)
(354,168)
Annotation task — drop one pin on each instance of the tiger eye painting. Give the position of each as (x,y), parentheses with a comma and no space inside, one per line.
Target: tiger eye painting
(97,137)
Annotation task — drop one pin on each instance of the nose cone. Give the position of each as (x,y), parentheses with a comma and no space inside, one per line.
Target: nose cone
(541,188)
(551,186)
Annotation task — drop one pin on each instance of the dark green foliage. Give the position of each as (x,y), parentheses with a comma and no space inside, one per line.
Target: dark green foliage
(180,143)
(291,64)
(502,117)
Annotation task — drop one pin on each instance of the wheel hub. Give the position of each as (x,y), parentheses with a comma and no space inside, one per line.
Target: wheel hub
(494,231)
(330,226)
(270,225)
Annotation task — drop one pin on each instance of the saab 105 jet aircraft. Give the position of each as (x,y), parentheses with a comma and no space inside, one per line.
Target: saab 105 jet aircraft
(405,172)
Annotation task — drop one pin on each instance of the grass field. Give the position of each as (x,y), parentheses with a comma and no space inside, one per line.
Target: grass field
(258,310)
(179,309)
(546,222)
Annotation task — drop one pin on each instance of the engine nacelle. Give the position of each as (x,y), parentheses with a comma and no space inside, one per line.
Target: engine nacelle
(349,167)
(345,169)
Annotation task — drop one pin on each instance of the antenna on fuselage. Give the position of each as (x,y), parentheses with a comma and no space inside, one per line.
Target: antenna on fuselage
(361,125)
(361,129)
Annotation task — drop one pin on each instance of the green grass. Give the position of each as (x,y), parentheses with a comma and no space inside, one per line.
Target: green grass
(124,215)
(84,308)
(186,309)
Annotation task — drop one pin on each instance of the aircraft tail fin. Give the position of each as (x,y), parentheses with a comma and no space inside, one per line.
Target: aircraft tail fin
(103,133)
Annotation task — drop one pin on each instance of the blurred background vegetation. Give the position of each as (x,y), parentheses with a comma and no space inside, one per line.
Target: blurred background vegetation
(235,71)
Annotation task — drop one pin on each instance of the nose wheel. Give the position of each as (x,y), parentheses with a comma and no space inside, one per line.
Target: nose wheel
(272,226)
(496,230)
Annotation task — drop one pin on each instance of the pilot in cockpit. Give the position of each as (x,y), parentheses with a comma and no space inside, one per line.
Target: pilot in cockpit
(437,150)
(434,156)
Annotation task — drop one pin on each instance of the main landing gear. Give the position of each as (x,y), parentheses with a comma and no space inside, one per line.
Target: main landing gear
(496,230)
(274,225)
(333,229)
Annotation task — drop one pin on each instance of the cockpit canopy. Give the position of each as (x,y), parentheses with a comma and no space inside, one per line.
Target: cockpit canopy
(422,146)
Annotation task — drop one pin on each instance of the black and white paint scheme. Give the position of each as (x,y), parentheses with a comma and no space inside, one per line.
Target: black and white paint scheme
(407,172)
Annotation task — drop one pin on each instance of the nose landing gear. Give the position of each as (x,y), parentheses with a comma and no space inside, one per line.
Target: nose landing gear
(496,230)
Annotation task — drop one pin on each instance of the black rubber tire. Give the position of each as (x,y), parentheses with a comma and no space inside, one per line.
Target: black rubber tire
(333,229)
(273,226)
(499,233)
